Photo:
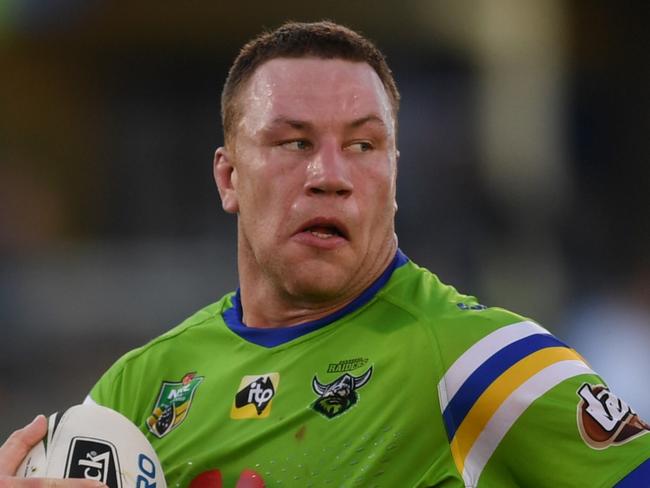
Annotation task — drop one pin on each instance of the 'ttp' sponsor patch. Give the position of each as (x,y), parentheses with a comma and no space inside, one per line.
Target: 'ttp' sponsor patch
(254,396)
(605,420)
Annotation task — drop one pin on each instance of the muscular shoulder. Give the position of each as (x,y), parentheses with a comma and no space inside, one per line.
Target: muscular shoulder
(504,380)
(202,325)
(456,320)
(165,356)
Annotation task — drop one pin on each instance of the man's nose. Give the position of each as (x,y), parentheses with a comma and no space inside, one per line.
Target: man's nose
(329,172)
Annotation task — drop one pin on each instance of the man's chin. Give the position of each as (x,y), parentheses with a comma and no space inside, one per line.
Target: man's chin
(319,282)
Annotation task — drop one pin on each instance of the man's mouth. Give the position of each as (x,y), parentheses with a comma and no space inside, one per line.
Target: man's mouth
(324,232)
(325,228)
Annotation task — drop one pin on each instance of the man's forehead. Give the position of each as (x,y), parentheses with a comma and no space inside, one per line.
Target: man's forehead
(304,89)
(299,124)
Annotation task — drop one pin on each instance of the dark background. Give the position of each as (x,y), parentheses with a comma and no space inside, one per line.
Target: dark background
(523,175)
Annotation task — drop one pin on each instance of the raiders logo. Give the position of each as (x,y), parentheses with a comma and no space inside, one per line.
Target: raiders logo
(605,420)
(339,396)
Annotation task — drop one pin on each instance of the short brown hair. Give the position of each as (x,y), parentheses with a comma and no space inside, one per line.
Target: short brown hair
(324,39)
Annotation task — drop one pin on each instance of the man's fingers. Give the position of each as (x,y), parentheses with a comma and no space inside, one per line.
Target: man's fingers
(14,450)
(6,482)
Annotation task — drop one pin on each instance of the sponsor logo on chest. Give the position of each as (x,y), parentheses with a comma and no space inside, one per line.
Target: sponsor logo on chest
(254,396)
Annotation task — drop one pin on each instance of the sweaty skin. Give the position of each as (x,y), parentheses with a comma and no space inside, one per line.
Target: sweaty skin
(311,175)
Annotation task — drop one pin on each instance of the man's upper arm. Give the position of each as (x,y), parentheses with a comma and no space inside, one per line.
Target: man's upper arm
(106,392)
(576,434)
(523,409)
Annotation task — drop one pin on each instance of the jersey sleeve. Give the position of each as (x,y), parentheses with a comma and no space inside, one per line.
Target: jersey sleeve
(521,408)
(126,386)
(106,392)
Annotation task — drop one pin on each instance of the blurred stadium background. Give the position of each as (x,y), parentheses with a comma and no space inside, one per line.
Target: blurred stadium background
(524,176)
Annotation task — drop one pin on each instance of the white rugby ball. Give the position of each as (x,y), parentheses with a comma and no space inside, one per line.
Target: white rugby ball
(94,442)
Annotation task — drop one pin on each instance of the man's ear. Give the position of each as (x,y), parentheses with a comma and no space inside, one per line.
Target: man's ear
(225,176)
(396,169)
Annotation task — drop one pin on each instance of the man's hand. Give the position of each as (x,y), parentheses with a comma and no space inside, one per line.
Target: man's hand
(14,450)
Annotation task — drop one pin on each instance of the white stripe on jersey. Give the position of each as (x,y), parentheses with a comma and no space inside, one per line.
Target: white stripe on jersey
(476,355)
(511,409)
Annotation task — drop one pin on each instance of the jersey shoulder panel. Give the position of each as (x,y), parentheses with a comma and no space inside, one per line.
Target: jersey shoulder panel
(509,391)
(424,295)
(455,320)
(113,390)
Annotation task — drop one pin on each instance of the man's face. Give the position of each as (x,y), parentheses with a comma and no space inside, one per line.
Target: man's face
(311,173)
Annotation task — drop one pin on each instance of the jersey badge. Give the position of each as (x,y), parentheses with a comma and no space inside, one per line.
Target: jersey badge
(253,399)
(605,420)
(339,396)
(173,404)
(477,307)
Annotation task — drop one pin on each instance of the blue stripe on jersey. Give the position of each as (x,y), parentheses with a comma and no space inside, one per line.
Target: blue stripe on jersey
(486,373)
(639,478)
(270,337)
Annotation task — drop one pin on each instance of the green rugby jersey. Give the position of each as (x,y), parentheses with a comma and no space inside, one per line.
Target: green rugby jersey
(412,384)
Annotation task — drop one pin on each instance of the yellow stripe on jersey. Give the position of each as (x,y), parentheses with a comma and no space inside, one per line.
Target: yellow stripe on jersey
(493,397)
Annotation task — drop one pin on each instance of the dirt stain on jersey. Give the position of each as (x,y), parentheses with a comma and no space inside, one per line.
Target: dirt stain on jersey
(300,433)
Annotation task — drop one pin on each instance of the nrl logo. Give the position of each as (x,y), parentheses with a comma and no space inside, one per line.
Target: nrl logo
(339,396)
(173,404)
(605,420)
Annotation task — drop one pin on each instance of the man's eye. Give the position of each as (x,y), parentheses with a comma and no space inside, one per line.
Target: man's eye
(298,145)
(360,146)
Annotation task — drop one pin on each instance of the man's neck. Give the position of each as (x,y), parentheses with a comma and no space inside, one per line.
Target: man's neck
(284,314)
(266,305)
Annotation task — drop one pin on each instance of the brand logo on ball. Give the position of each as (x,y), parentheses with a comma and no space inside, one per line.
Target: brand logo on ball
(93,459)
(254,396)
(173,404)
(339,396)
(605,420)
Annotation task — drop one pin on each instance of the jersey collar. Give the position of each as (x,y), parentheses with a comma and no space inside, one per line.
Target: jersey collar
(276,336)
